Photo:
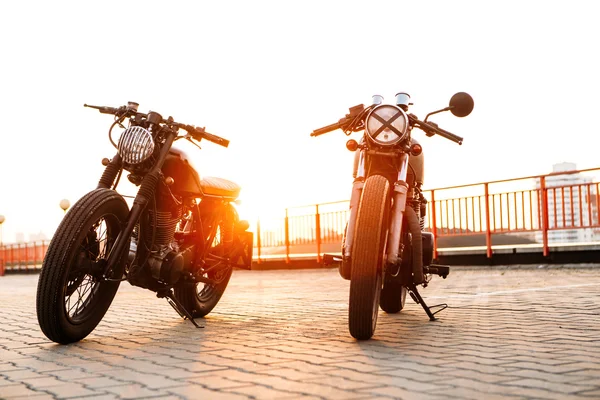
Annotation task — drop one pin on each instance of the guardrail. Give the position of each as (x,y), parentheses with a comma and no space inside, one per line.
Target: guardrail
(557,208)
(22,256)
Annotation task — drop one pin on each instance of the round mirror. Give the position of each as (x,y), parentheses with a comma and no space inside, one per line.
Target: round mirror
(461,104)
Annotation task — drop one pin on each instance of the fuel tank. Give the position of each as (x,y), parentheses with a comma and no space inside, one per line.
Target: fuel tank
(179,167)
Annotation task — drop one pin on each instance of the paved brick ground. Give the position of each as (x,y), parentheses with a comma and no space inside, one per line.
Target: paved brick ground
(509,333)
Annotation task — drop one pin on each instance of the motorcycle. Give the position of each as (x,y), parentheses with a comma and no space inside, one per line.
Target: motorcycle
(181,238)
(386,251)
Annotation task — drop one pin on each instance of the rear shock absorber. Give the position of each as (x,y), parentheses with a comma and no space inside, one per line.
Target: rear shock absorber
(228,227)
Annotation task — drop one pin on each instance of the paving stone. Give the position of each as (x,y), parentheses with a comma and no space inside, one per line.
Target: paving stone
(42,382)
(69,390)
(192,391)
(558,387)
(100,382)
(258,391)
(284,335)
(132,391)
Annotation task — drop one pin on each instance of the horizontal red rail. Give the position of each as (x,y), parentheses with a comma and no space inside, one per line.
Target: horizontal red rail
(22,256)
(554,208)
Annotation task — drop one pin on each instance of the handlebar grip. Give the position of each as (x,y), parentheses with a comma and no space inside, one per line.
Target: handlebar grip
(200,133)
(449,135)
(103,109)
(432,128)
(326,129)
(216,139)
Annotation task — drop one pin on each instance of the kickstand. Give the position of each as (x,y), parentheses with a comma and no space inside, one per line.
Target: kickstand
(416,296)
(177,306)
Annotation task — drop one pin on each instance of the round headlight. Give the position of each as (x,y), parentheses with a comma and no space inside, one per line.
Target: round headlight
(135,145)
(386,124)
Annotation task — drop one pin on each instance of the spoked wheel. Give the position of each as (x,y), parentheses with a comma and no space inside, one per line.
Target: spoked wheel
(200,298)
(367,257)
(72,296)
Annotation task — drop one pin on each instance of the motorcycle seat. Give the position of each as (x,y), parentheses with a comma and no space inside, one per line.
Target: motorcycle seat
(212,186)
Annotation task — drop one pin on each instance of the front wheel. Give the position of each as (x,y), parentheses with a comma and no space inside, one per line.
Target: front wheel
(72,295)
(367,257)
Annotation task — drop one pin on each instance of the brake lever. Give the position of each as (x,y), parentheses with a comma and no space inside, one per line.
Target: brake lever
(189,138)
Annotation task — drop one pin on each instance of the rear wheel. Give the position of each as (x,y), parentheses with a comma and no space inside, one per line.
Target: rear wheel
(72,296)
(200,298)
(367,257)
(393,296)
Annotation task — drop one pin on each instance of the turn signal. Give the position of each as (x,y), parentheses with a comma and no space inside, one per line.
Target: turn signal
(416,149)
(105,161)
(352,145)
(169,181)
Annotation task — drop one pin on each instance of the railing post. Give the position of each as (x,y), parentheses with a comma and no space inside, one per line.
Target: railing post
(545,247)
(318,233)
(287,237)
(35,254)
(258,240)
(488,230)
(434,225)
(26,257)
(2,258)
(44,250)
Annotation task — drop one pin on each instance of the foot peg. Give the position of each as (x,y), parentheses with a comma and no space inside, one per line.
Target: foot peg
(330,259)
(441,270)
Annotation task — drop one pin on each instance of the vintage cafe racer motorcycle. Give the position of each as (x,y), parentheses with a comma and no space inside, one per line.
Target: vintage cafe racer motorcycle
(385,251)
(181,238)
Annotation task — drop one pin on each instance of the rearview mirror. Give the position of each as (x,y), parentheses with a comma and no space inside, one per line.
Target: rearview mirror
(461,104)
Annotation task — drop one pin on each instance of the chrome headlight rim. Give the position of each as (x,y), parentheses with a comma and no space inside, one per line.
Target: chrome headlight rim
(395,125)
(136,145)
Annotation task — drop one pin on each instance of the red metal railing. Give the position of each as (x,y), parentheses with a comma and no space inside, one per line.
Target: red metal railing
(547,209)
(22,256)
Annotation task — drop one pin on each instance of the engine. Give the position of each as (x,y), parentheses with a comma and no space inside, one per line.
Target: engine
(153,247)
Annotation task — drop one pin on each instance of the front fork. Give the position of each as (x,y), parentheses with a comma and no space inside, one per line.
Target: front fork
(144,195)
(394,245)
(393,249)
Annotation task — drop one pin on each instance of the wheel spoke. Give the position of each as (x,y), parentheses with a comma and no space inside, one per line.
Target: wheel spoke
(93,249)
(84,295)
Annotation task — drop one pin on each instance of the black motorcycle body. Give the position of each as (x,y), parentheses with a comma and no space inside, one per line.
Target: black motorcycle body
(385,250)
(181,238)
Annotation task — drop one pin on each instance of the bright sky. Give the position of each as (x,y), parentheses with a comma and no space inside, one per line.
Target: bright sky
(264,74)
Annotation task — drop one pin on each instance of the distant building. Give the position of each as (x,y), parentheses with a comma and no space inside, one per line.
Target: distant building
(20,237)
(571,204)
(37,237)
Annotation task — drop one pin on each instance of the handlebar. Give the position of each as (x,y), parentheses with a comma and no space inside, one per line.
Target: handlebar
(196,133)
(104,109)
(343,123)
(449,135)
(328,128)
(431,128)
